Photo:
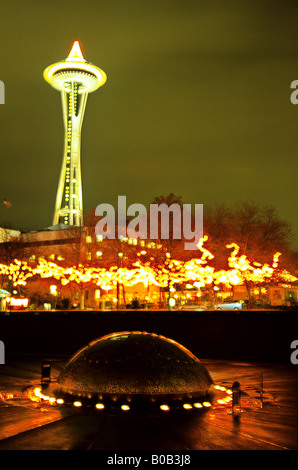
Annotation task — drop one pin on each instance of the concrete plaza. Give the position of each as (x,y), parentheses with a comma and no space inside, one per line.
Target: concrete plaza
(268,424)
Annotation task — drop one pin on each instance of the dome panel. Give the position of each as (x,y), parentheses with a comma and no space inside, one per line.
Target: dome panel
(135,363)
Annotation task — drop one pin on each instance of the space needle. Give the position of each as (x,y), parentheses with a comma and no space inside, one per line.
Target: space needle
(75,78)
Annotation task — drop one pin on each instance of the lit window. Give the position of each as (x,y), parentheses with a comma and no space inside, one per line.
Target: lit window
(99,238)
(88,238)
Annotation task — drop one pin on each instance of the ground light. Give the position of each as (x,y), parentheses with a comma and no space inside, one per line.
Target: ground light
(36,395)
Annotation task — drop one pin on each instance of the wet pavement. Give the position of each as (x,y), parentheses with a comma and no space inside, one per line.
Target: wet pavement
(265,423)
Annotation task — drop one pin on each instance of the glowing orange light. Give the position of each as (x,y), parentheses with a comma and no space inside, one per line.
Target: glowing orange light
(164,407)
(37,395)
(99,406)
(17,303)
(198,405)
(75,52)
(195,272)
(187,406)
(125,407)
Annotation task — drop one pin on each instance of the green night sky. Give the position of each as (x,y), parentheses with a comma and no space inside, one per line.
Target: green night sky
(197,103)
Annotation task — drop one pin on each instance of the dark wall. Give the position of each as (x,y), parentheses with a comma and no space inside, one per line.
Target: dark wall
(259,336)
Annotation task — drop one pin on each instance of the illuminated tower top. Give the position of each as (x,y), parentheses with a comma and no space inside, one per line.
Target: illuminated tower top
(61,74)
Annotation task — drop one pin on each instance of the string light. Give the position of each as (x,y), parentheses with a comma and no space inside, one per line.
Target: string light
(195,271)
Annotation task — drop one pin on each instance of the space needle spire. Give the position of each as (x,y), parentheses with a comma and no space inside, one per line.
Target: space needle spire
(75,78)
